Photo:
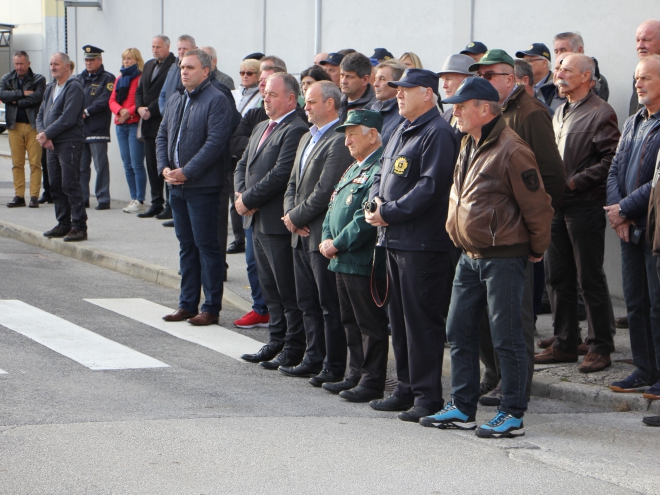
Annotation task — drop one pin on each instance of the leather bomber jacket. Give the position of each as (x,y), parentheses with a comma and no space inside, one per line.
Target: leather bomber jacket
(498,207)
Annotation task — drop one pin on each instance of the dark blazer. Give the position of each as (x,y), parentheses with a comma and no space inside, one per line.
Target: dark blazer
(307,197)
(148,91)
(262,174)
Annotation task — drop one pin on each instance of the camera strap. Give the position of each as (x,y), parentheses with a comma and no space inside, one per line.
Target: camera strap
(373,286)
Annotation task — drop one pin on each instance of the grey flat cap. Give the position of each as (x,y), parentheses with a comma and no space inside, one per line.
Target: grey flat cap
(457,64)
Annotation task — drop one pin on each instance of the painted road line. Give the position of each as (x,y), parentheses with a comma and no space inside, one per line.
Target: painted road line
(77,343)
(3,372)
(214,337)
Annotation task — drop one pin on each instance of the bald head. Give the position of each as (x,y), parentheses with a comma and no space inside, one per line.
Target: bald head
(647,37)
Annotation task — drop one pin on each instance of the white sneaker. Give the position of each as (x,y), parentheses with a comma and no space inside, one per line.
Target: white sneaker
(130,203)
(136,207)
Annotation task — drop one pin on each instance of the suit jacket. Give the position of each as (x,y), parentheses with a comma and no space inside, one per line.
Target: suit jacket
(148,91)
(262,174)
(307,197)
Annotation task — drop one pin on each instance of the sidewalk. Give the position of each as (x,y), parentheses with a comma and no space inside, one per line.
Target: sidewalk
(143,248)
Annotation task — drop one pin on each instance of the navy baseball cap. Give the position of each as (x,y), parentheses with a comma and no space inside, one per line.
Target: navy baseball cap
(92,51)
(254,56)
(417,77)
(535,49)
(382,54)
(474,88)
(333,59)
(475,47)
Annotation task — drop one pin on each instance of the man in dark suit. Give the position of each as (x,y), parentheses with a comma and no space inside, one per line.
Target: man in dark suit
(146,101)
(260,180)
(320,162)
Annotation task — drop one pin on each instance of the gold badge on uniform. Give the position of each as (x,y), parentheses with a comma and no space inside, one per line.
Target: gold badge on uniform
(401,166)
(349,200)
(88,49)
(110,86)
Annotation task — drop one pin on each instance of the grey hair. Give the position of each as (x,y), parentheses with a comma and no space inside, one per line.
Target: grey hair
(290,82)
(276,61)
(365,131)
(163,38)
(586,63)
(203,57)
(495,107)
(654,57)
(574,39)
(21,53)
(65,58)
(329,90)
(522,69)
(211,51)
(397,68)
(187,37)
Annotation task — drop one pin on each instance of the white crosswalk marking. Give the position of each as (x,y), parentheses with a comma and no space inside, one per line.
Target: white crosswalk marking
(214,337)
(77,343)
(3,372)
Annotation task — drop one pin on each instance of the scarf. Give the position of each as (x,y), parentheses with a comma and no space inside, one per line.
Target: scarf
(124,82)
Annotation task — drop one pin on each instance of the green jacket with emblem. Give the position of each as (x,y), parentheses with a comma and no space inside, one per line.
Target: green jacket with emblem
(345,224)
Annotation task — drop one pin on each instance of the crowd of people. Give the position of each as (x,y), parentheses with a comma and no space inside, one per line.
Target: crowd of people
(364,208)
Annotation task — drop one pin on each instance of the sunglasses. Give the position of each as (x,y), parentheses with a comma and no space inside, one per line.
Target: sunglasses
(248,73)
(489,75)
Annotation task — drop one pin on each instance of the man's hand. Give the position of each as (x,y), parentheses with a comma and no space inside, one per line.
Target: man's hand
(174,177)
(41,138)
(571,184)
(613,215)
(623,230)
(304,232)
(241,208)
(48,145)
(534,260)
(289,224)
(27,92)
(144,113)
(328,249)
(374,218)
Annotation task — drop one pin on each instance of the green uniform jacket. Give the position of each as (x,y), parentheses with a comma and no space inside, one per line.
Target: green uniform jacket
(345,224)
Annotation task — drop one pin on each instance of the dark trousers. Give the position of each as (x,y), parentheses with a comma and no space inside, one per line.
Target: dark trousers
(366,330)
(274,259)
(98,153)
(316,290)
(156,181)
(236,219)
(641,290)
(417,287)
(44,173)
(201,258)
(64,176)
(222,212)
(496,284)
(576,255)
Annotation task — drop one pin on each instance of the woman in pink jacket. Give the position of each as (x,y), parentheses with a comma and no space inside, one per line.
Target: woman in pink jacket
(122,104)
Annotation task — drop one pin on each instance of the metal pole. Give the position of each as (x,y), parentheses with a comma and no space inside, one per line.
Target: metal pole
(317,27)
(263,34)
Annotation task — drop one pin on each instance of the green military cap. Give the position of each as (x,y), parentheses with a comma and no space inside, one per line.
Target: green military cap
(493,57)
(367,118)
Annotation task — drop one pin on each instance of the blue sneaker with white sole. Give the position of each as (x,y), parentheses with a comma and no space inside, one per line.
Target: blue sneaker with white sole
(633,383)
(503,425)
(449,417)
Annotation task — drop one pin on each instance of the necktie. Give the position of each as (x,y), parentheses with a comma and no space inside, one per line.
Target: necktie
(266,133)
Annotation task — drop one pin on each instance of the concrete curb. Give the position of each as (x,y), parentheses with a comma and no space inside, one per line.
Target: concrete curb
(111,261)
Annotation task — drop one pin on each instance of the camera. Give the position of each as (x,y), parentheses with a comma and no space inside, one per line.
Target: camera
(370,206)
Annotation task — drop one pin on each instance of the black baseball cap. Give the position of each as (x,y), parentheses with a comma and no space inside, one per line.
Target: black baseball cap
(254,56)
(475,47)
(382,54)
(474,88)
(333,59)
(535,49)
(417,77)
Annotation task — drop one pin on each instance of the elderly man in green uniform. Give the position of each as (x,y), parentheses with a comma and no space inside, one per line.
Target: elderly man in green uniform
(349,242)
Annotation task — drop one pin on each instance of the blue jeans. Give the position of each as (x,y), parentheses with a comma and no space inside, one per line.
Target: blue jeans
(496,284)
(641,289)
(258,302)
(201,257)
(132,154)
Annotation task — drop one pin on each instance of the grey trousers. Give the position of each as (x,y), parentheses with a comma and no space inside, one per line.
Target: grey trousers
(99,153)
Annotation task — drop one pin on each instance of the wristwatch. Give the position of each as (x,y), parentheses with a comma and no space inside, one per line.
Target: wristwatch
(86,112)
(621,213)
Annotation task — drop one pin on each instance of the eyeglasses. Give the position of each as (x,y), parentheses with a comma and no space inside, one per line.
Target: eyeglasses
(489,75)
(530,60)
(248,73)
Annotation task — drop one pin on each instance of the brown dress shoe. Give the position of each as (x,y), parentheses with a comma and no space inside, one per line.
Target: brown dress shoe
(553,355)
(583,348)
(203,319)
(594,362)
(545,343)
(34,202)
(179,315)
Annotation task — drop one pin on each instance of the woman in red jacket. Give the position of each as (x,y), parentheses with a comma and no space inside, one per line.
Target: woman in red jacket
(122,104)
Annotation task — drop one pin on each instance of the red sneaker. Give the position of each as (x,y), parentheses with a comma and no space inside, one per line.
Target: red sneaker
(252,320)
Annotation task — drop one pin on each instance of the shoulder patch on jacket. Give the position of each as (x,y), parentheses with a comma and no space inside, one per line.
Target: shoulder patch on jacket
(531,179)
(110,86)
(401,166)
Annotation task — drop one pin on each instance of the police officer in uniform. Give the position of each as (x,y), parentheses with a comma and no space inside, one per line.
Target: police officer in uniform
(97,84)
(412,193)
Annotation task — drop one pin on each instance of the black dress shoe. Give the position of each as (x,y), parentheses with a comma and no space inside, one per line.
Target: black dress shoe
(169,223)
(45,198)
(34,202)
(75,235)
(414,414)
(284,358)
(651,420)
(391,403)
(151,212)
(57,231)
(102,206)
(236,247)
(16,202)
(303,370)
(361,394)
(325,376)
(87,203)
(266,353)
(335,388)
(166,214)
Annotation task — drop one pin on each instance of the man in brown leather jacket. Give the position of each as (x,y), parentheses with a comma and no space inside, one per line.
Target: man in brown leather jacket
(587,134)
(499,215)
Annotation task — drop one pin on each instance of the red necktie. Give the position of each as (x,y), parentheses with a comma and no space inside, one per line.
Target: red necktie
(267,132)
